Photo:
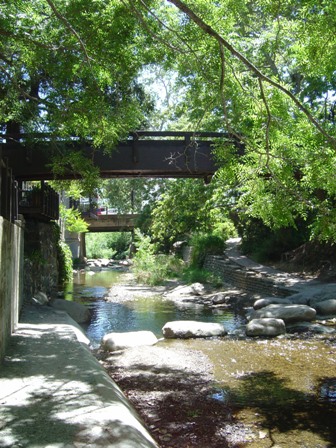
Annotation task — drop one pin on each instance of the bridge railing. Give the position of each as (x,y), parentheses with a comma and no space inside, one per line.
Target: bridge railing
(41,202)
(135,135)
(8,192)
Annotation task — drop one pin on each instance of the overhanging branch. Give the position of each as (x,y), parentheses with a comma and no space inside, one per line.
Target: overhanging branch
(251,67)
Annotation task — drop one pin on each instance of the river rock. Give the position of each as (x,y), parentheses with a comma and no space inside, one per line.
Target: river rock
(93,268)
(228,297)
(326,307)
(265,327)
(40,298)
(289,313)
(261,303)
(196,289)
(314,294)
(184,329)
(78,312)
(120,341)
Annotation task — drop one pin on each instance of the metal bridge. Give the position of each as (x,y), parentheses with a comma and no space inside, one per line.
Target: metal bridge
(143,154)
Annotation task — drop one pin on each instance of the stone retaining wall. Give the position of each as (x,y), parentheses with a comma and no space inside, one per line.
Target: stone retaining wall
(243,278)
(41,265)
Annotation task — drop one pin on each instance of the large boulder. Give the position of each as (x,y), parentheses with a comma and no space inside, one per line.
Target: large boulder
(261,303)
(184,329)
(289,313)
(78,312)
(120,341)
(265,327)
(326,307)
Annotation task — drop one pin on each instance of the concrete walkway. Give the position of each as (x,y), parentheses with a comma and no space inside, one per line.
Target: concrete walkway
(233,253)
(55,394)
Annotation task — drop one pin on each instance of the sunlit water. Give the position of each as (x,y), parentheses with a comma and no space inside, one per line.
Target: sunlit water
(149,313)
(282,390)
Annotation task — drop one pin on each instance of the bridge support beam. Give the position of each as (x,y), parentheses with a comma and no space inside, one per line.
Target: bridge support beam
(82,247)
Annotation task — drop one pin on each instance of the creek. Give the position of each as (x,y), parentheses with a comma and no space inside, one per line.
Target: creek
(282,391)
(143,313)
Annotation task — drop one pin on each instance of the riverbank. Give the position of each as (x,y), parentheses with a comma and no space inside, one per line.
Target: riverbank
(230,392)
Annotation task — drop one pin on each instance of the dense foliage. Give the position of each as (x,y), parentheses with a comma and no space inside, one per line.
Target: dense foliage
(114,245)
(152,268)
(64,262)
(263,71)
(70,68)
(189,206)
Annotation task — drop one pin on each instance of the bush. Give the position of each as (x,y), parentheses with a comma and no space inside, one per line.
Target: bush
(193,275)
(108,245)
(64,263)
(204,244)
(150,268)
(265,244)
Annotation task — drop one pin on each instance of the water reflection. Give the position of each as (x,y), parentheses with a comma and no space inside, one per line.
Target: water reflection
(142,314)
(328,390)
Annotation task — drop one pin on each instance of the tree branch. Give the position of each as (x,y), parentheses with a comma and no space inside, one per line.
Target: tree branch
(251,67)
(71,28)
(130,5)
(269,118)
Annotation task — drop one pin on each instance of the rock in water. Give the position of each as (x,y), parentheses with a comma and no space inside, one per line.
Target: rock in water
(119,341)
(327,307)
(192,329)
(289,313)
(265,327)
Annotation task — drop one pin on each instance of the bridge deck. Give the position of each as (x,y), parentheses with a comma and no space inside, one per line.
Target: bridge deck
(145,154)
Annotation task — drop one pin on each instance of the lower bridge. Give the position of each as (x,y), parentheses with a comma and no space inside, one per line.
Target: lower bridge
(111,223)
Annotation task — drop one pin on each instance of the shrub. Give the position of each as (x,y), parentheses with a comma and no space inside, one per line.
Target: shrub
(150,268)
(204,244)
(108,245)
(191,275)
(265,244)
(64,263)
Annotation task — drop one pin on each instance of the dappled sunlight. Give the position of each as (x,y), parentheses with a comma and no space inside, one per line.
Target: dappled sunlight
(53,391)
(282,389)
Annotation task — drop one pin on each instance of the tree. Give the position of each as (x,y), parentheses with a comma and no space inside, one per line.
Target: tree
(263,71)
(186,207)
(132,195)
(70,68)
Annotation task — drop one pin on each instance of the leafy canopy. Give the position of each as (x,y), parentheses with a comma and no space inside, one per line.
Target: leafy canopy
(262,70)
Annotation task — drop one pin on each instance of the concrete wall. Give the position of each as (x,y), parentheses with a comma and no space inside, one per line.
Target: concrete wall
(11,278)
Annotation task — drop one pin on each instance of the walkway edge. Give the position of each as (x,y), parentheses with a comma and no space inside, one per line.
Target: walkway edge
(55,394)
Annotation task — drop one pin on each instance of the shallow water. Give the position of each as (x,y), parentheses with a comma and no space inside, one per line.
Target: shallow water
(150,313)
(282,390)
